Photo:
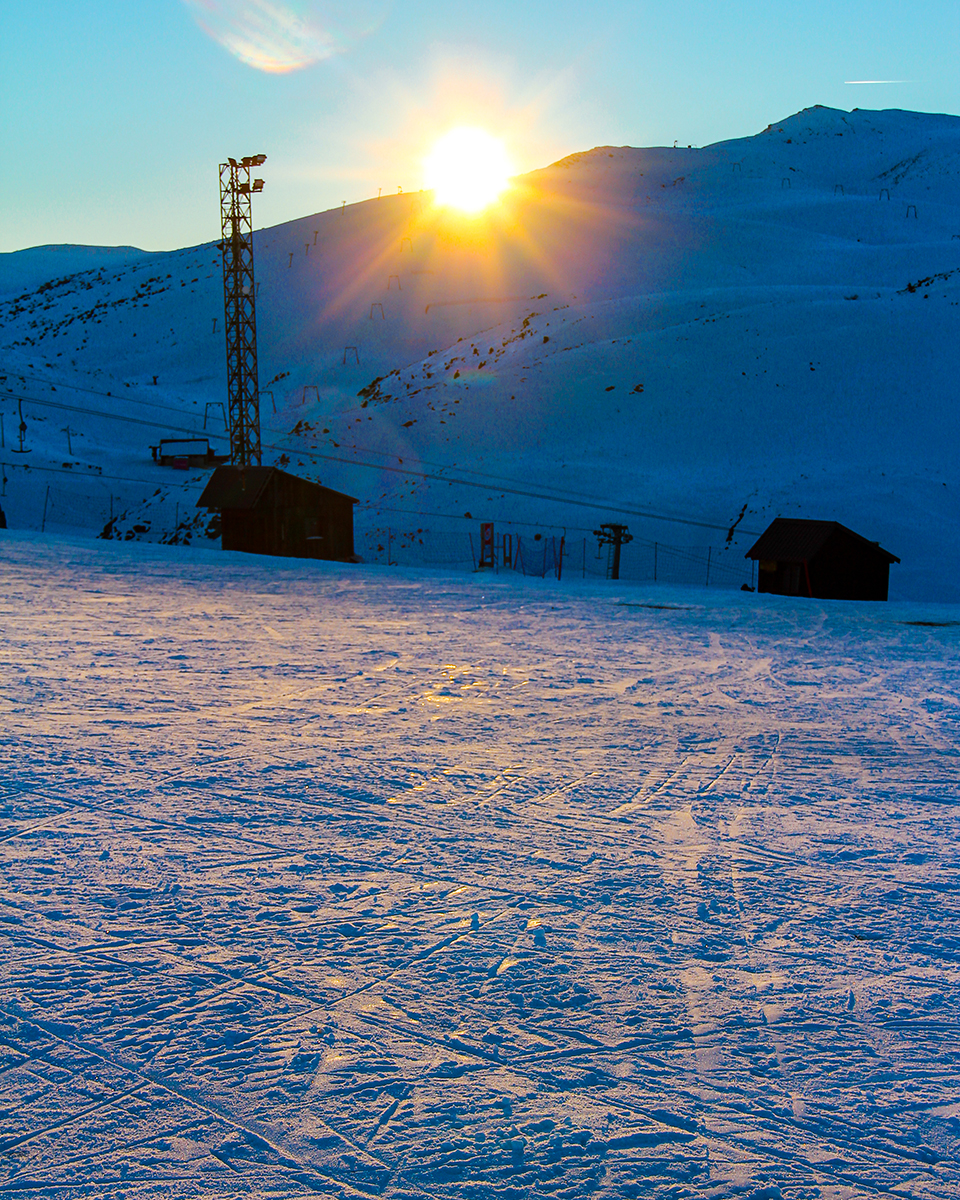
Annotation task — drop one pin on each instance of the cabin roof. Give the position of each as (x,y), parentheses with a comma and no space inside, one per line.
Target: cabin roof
(796,539)
(243,487)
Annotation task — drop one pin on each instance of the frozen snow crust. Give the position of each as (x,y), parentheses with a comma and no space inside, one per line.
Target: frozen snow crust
(357,882)
(766,322)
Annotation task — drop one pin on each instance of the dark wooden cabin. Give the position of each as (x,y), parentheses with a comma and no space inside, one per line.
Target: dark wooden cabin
(822,559)
(263,510)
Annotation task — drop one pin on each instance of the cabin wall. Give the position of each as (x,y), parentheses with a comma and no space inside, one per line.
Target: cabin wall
(292,519)
(842,570)
(846,569)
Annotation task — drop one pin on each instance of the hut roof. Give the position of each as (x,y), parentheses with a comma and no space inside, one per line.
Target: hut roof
(795,539)
(242,487)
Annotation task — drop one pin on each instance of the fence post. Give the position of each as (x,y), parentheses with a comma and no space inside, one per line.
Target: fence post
(43,523)
(389,542)
(473,555)
(560,559)
(654,562)
(707,584)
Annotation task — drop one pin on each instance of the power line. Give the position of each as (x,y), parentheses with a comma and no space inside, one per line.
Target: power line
(557,495)
(75,387)
(93,412)
(590,502)
(81,476)
(566,527)
(361,449)
(488,480)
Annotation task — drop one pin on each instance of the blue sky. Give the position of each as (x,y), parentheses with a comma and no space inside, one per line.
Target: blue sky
(115,113)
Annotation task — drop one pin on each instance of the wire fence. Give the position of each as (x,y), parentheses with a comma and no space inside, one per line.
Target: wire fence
(102,512)
(117,516)
(72,509)
(546,555)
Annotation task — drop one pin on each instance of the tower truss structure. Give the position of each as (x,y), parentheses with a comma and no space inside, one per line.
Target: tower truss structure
(239,306)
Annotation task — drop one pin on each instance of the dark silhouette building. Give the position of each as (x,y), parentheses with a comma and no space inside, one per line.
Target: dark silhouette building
(263,510)
(822,559)
(186,453)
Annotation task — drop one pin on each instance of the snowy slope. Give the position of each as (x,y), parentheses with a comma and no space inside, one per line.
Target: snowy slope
(325,880)
(766,322)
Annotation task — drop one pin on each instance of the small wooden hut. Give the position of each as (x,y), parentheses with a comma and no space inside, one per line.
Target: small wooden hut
(821,559)
(263,510)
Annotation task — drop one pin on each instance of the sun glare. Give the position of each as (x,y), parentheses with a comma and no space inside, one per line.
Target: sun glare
(467,169)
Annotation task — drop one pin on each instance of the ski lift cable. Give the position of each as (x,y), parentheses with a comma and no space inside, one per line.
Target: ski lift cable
(129,399)
(485,477)
(483,482)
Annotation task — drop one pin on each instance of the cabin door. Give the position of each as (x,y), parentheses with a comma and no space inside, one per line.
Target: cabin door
(790,579)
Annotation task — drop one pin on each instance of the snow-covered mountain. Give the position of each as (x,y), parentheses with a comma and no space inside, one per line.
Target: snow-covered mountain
(764,326)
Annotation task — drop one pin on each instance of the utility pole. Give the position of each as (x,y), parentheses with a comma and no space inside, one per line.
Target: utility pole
(239,316)
(616,536)
(68,431)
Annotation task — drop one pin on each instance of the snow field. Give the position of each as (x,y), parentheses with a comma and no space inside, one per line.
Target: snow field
(357,882)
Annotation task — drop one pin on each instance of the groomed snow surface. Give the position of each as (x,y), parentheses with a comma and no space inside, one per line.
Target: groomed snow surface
(361,882)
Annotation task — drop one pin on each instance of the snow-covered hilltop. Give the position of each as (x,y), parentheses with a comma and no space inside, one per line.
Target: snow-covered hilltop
(765,322)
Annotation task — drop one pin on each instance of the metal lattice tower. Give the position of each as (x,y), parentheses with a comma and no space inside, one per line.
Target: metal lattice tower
(239,309)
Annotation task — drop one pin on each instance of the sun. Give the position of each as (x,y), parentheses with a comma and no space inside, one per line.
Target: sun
(467,169)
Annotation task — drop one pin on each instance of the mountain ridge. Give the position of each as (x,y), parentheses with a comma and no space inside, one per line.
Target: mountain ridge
(757,291)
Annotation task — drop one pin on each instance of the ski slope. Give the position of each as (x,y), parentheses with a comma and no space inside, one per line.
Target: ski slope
(326,880)
(760,327)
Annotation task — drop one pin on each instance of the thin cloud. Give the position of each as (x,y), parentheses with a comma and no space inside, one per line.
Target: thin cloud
(854,81)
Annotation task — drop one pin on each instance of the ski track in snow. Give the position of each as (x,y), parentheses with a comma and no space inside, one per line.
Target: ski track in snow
(341,881)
